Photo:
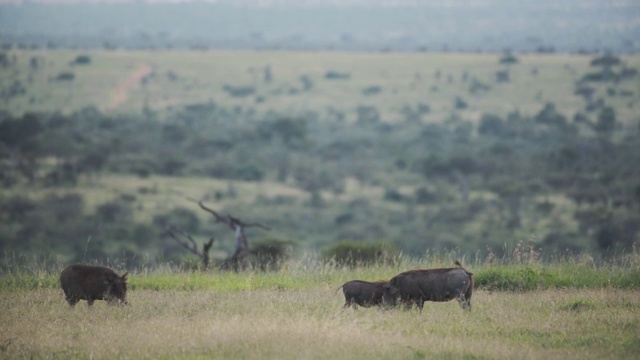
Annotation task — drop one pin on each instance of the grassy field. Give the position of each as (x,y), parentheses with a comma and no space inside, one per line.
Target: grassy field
(129,81)
(578,310)
(309,323)
(524,308)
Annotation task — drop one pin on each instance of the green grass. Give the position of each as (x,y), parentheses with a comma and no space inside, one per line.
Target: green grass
(526,278)
(527,274)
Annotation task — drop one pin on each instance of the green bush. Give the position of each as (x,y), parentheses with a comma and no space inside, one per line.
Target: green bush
(333,75)
(372,90)
(270,254)
(239,91)
(536,277)
(82,60)
(356,253)
(513,279)
(65,76)
(508,58)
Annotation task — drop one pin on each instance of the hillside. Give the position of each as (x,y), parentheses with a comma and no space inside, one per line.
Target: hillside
(336,85)
(476,154)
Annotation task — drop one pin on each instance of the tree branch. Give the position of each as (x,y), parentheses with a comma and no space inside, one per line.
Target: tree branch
(231,221)
(191,244)
(237,260)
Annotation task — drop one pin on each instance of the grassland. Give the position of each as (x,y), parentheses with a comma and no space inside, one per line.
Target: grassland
(579,309)
(187,77)
(276,324)
(523,308)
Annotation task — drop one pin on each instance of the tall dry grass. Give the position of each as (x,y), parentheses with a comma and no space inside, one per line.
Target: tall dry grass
(524,307)
(310,324)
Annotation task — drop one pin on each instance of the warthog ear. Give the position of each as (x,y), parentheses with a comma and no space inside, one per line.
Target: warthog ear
(125,276)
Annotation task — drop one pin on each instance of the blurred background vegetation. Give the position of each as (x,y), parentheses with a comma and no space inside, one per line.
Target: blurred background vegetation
(92,184)
(108,140)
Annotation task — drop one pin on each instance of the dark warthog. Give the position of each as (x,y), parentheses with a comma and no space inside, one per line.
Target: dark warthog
(86,282)
(363,293)
(417,286)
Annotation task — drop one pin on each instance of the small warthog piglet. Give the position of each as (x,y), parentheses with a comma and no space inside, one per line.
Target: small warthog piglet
(363,293)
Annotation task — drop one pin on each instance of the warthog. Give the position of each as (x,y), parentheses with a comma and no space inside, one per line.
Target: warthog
(86,282)
(417,286)
(363,293)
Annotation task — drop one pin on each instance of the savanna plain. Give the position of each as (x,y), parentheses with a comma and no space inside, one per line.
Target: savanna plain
(573,307)
(578,309)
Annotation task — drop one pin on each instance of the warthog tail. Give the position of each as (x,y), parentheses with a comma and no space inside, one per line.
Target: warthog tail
(458,264)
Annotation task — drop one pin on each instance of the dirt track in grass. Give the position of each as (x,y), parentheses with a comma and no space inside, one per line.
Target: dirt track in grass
(120,94)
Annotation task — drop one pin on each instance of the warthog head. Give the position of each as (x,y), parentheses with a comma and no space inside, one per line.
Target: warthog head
(390,295)
(116,289)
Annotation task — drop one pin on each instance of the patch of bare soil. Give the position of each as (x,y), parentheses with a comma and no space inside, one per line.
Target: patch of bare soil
(119,94)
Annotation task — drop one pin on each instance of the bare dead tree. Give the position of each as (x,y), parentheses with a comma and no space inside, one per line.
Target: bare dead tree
(179,236)
(237,261)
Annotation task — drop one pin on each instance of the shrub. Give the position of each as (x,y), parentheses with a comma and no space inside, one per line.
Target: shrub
(82,60)
(508,58)
(233,171)
(269,254)
(335,75)
(520,279)
(478,88)
(503,76)
(460,104)
(65,76)
(239,91)
(372,90)
(172,166)
(249,172)
(367,115)
(307,83)
(491,125)
(355,253)
(607,60)
(394,195)
(113,212)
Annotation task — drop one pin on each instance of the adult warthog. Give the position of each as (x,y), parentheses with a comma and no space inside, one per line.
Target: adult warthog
(86,282)
(417,286)
(363,293)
